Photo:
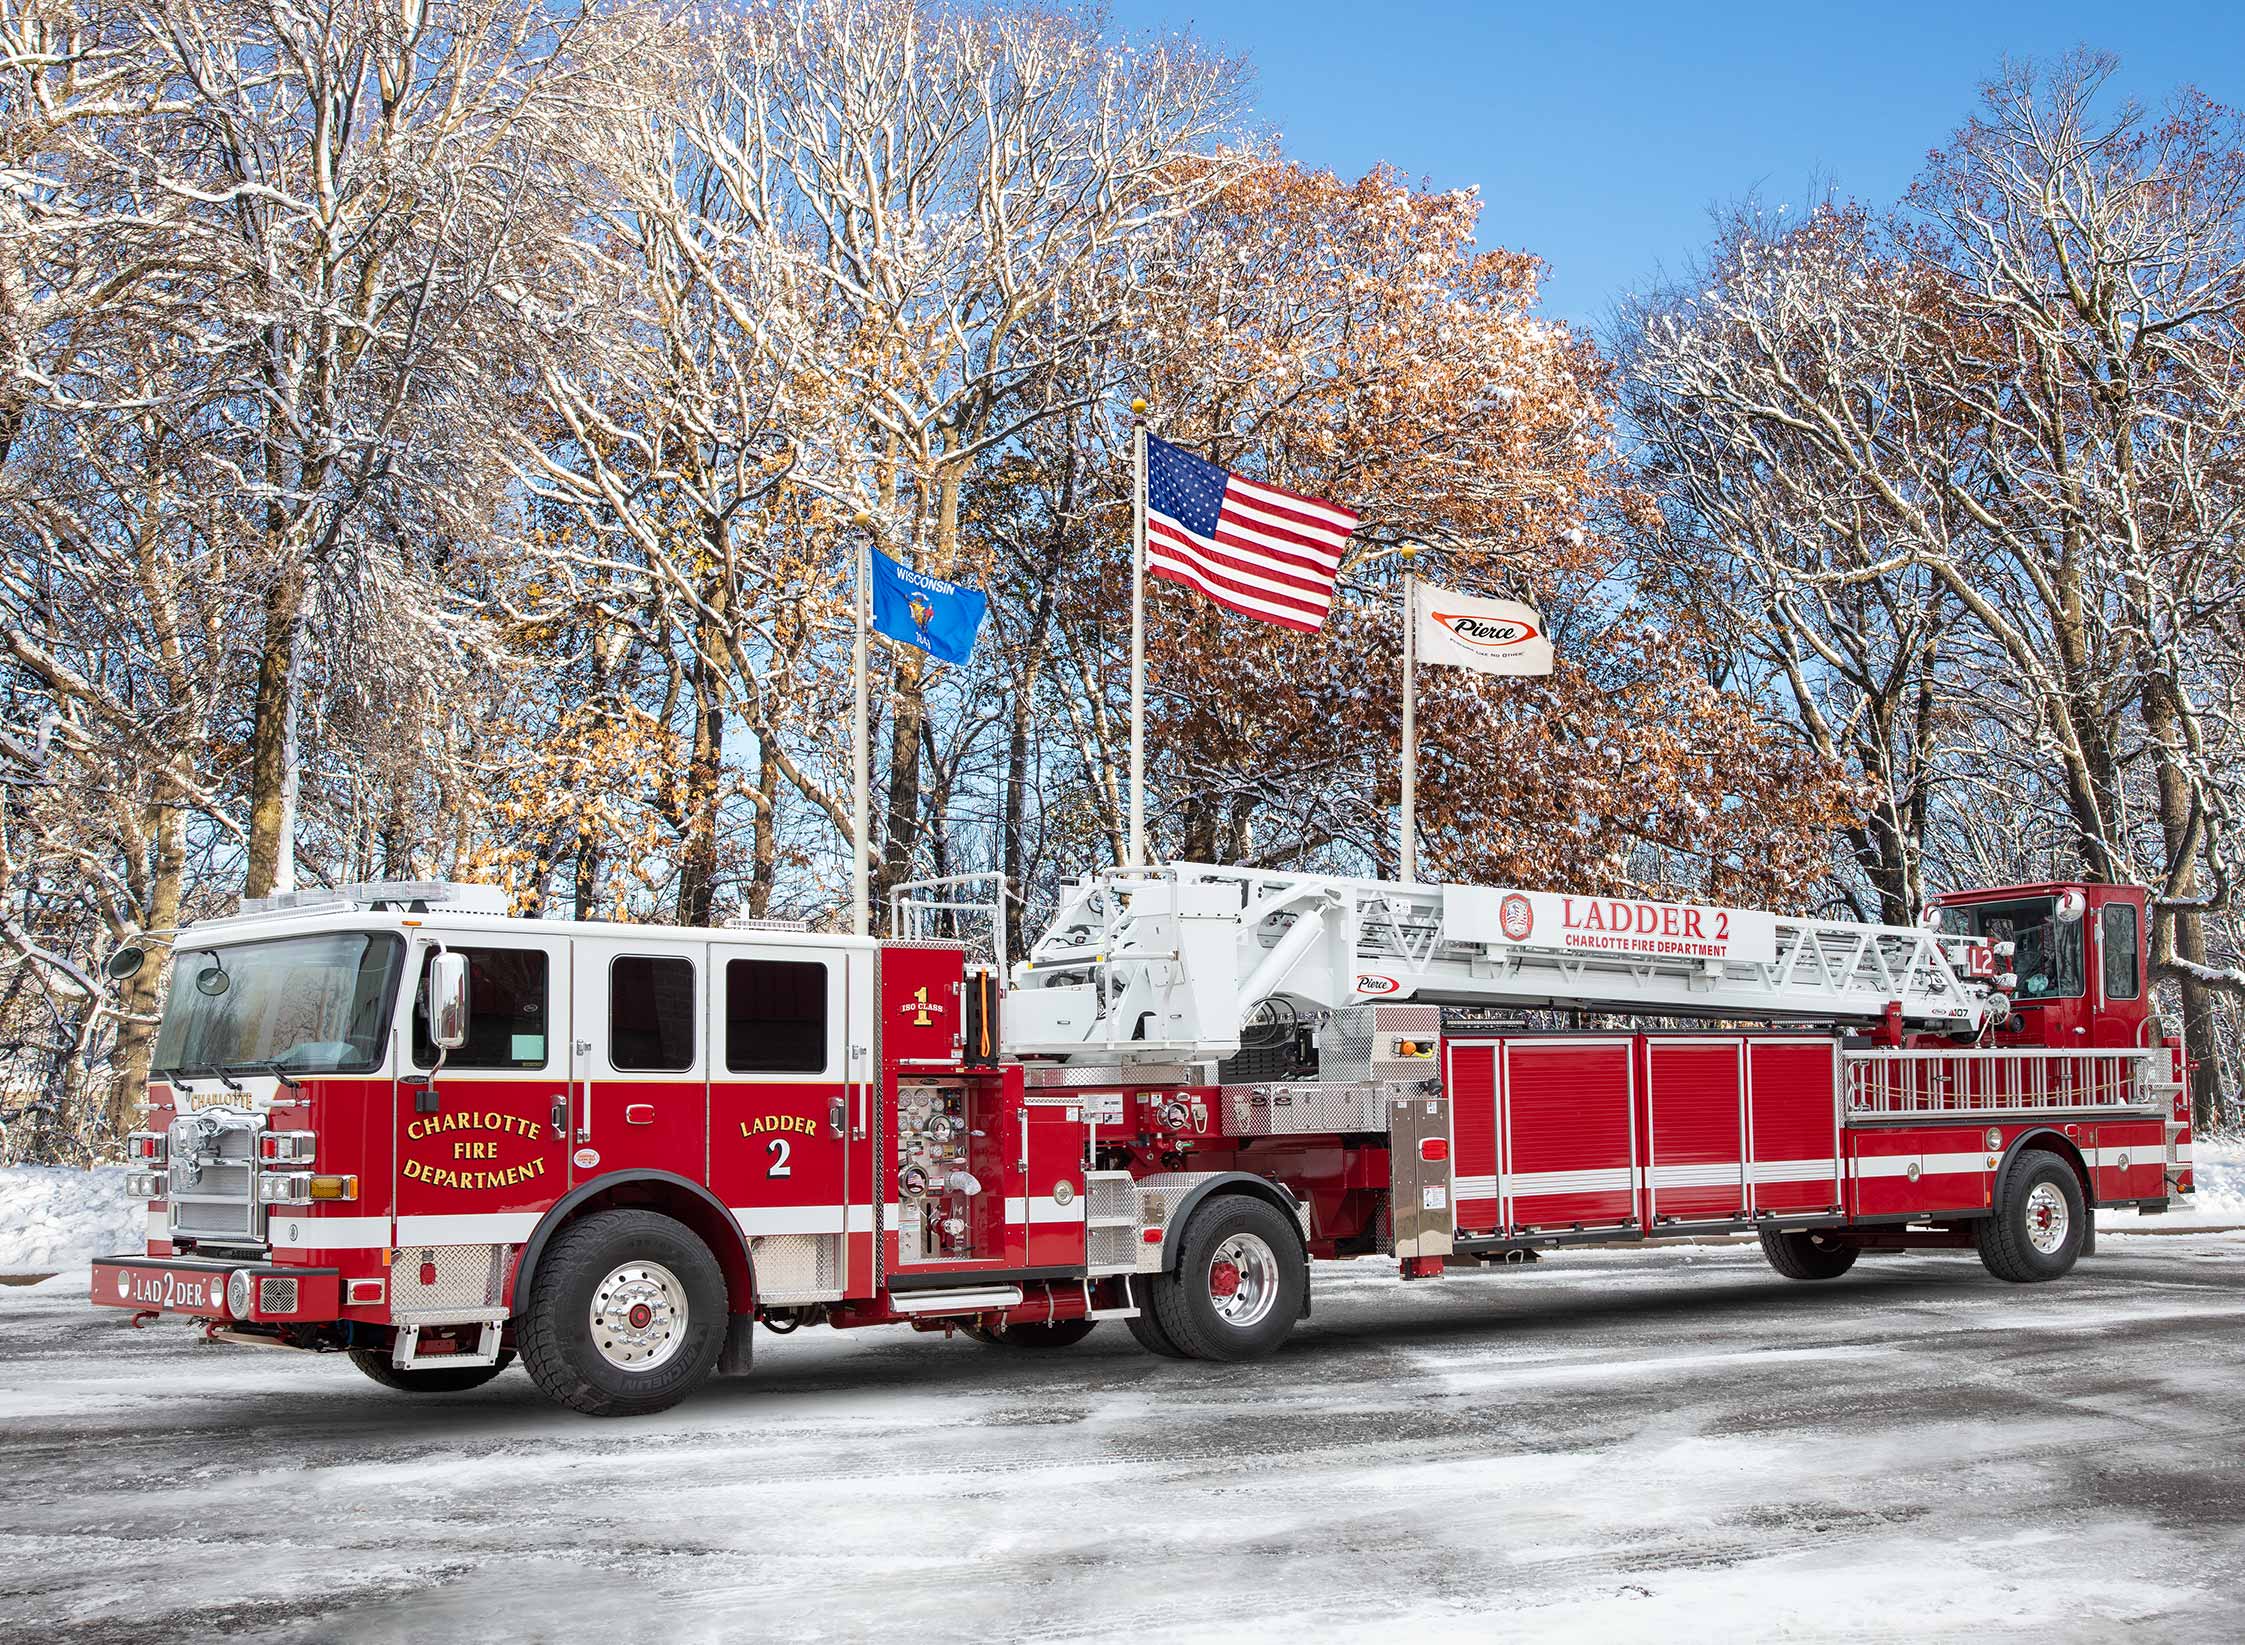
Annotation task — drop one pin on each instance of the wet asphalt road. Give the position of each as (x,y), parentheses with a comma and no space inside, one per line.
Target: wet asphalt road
(1660,1446)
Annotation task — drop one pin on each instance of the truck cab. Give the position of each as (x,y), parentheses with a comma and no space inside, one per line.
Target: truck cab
(2077,954)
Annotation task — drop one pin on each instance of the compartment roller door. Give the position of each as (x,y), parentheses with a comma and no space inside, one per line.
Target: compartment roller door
(1695,1100)
(1570,1133)
(1794,1102)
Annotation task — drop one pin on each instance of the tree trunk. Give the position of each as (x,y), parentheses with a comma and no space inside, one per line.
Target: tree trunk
(764,842)
(142,995)
(2181,932)
(270,777)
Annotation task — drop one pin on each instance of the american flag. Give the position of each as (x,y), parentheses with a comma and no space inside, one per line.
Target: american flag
(1249,547)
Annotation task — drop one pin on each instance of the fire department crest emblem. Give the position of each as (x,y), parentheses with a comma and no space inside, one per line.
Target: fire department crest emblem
(1517,915)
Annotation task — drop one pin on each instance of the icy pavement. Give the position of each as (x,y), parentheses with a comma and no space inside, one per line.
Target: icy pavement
(1660,1446)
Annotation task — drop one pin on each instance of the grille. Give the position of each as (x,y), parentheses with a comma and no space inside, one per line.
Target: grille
(427,1278)
(797,1267)
(212,1182)
(276,1296)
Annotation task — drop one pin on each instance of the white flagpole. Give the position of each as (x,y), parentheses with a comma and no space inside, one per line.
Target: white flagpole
(1407,857)
(1137,635)
(860,733)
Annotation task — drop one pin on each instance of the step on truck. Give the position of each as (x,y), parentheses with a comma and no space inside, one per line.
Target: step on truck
(393,1122)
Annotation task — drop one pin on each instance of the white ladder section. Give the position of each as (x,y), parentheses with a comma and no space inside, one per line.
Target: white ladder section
(1171,963)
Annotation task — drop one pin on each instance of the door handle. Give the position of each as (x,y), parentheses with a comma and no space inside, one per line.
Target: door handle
(559,1117)
(837,1114)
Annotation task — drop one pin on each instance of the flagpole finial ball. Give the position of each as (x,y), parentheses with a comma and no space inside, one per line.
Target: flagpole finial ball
(1410,551)
(861,520)
(1138,408)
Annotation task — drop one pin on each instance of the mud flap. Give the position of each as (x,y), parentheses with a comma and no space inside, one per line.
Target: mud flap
(740,1345)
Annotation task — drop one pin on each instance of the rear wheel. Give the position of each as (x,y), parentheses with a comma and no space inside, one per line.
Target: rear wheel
(432,1379)
(2039,1223)
(1804,1255)
(626,1315)
(1240,1281)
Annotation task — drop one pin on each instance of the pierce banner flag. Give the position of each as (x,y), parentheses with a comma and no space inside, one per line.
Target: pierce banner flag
(1493,636)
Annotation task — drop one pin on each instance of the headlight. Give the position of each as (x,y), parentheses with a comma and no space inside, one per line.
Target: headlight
(285,1147)
(285,1188)
(145,1184)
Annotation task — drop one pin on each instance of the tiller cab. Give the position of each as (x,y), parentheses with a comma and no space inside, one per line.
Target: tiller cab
(394,1122)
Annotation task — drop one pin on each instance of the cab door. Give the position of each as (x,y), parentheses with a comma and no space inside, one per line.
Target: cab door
(637,1058)
(482,1133)
(783,1109)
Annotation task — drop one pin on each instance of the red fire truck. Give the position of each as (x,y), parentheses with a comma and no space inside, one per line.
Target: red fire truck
(394,1122)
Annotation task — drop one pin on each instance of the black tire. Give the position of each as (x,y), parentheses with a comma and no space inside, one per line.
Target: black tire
(1145,1325)
(1807,1255)
(434,1379)
(555,1329)
(2040,1219)
(1191,1307)
(1058,1333)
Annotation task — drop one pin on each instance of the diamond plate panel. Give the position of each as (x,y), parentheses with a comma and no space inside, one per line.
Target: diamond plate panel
(1291,1110)
(466,1277)
(797,1267)
(1111,1250)
(1110,1196)
(1138,1076)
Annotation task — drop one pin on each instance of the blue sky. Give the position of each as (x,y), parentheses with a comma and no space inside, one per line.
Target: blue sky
(1600,136)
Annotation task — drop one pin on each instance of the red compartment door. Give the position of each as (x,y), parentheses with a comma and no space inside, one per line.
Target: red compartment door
(1794,1103)
(1471,1079)
(1695,1101)
(1570,1133)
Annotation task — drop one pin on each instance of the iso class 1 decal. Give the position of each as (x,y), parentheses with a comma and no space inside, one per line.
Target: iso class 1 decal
(1372,983)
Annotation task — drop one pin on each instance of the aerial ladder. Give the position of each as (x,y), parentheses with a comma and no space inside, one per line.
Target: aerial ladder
(1189,962)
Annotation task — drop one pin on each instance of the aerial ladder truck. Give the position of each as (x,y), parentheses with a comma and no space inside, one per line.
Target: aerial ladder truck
(393,1121)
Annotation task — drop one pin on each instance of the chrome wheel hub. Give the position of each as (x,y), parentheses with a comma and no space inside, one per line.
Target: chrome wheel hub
(1243,1280)
(2047,1218)
(638,1316)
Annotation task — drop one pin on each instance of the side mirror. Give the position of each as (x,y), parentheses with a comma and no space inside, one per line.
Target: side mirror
(448,1001)
(125,963)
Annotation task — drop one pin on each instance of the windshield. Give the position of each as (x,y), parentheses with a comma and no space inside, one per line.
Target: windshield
(2046,951)
(315,1004)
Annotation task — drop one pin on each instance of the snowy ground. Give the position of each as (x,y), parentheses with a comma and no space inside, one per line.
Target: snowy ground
(55,1216)
(1662,1446)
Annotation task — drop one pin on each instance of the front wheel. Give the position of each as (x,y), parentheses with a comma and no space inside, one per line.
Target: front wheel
(626,1315)
(2039,1223)
(430,1379)
(1803,1255)
(1240,1282)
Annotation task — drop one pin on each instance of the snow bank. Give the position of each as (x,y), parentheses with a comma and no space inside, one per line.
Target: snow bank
(2218,1165)
(54,1216)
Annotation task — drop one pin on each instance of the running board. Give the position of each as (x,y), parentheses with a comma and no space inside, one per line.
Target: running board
(957,1302)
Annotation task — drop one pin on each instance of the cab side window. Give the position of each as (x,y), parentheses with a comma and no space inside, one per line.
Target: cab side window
(2123,959)
(651,1013)
(506,1011)
(775,1017)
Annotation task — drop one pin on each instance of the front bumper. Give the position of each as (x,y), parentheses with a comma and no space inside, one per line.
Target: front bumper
(208,1288)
